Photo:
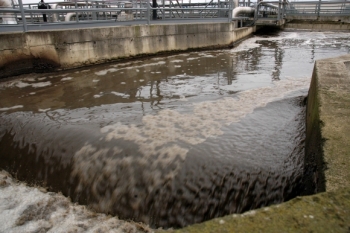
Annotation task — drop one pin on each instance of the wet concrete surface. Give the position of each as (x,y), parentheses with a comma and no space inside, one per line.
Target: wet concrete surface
(172,140)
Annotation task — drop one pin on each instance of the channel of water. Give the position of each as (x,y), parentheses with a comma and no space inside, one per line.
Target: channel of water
(172,140)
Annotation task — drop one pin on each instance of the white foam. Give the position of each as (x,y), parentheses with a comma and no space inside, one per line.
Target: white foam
(246,45)
(30,79)
(104,72)
(28,209)
(133,67)
(21,84)
(66,79)
(10,108)
(42,84)
(44,110)
(120,94)
(101,72)
(208,55)
(207,119)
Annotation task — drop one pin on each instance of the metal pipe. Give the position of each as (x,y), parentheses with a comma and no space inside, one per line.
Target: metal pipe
(69,16)
(242,10)
(7,18)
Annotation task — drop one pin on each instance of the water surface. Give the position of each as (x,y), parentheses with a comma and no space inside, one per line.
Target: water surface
(171,140)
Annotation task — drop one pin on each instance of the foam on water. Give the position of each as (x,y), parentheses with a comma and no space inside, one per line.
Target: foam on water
(111,70)
(66,79)
(162,142)
(120,94)
(42,84)
(10,108)
(21,84)
(44,110)
(207,119)
(246,45)
(28,209)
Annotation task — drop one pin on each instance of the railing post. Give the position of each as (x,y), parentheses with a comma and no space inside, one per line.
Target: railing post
(154,7)
(76,13)
(319,9)
(148,13)
(230,11)
(279,10)
(31,14)
(24,21)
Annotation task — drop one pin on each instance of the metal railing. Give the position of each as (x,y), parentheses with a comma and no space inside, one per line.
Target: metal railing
(95,11)
(319,8)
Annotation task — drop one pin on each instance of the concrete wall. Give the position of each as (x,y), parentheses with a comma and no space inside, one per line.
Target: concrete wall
(64,49)
(317,26)
(328,114)
(317,23)
(322,18)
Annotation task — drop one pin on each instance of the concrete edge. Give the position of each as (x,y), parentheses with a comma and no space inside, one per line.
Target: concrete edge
(44,51)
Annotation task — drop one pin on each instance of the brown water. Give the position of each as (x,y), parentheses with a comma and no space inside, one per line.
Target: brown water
(171,140)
